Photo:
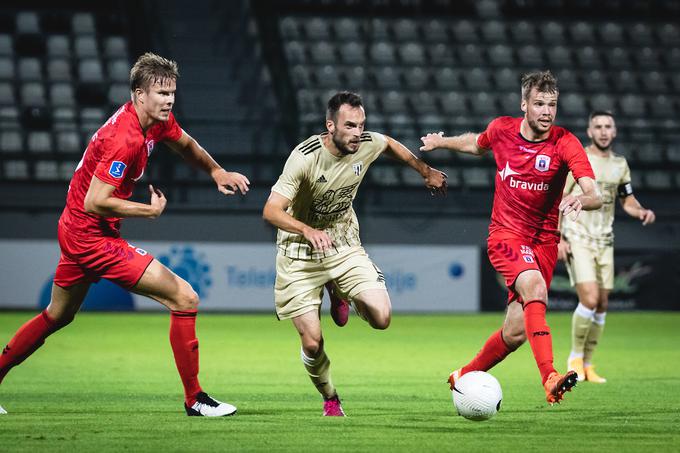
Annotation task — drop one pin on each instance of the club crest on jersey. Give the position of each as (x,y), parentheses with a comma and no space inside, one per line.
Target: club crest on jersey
(358,167)
(542,162)
(149,147)
(117,169)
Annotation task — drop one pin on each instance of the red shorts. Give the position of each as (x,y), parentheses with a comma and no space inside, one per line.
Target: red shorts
(511,255)
(89,258)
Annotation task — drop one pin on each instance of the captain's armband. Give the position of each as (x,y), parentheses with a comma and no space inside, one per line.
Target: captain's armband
(625,190)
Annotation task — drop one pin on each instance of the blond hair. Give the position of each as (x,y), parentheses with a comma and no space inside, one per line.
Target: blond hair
(151,68)
(543,81)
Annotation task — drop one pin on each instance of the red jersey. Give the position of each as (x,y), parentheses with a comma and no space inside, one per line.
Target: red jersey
(530,177)
(117,154)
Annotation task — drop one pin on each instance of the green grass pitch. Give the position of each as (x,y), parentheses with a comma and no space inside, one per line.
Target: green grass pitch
(108,383)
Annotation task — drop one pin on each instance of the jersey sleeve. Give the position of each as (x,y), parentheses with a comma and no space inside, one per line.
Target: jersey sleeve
(293,173)
(170,130)
(115,162)
(576,158)
(486,138)
(379,143)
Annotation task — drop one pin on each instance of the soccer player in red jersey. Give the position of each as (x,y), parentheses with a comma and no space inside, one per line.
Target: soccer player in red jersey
(88,232)
(533,158)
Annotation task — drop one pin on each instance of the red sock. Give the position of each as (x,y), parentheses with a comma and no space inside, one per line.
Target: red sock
(539,336)
(493,352)
(25,341)
(185,348)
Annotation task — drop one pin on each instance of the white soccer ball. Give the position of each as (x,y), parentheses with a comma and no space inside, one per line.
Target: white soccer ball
(477,395)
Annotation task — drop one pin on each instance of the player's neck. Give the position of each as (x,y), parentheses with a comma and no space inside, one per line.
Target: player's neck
(529,134)
(145,121)
(599,152)
(328,142)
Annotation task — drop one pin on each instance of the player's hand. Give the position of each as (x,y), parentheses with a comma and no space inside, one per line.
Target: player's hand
(570,204)
(431,141)
(435,180)
(158,201)
(228,182)
(563,250)
(647,216)
(320,240)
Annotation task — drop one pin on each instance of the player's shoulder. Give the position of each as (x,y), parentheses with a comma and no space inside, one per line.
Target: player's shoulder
(505,122)
(562,135)
(309,147)
(618,158)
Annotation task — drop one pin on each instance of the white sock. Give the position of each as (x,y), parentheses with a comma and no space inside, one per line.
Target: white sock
(598,318)
(584,311)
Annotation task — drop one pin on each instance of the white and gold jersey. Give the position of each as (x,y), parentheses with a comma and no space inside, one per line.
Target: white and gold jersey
(321,188)
(595,228)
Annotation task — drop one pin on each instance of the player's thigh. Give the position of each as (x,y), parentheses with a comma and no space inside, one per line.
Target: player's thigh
(354,273)
(605,263)
(164,286)
(582,265)
(299,286)
(66,301)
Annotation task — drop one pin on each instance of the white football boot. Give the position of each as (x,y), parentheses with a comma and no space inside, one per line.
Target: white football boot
(206,406)
(2,411)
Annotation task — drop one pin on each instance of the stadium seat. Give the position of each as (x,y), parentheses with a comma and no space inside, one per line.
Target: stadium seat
(6,45)
(85,46)
(588,57)
(11,142)
(477,177)
(530,56)
(39,142)
(322,52)
(483,104)
(471,55)
(67,142)
(501,55)
(385,175)
(672,57)
(447,79)
(553,32)
(393,102)
(632,105)
(641,34)
(295,52)
(27,22)
(423,103)
(568,81)
(441,55)
(648,58)
(289,28)
(658,180)
(618,58)
(435,31)
(352,52)
(115,47)
(662,106)
(510,104)
(58,46)
(16,170)
(382,53)
(611,33)
(625,81)
(387,77)
(59,70)
(582,32)
(464,31)
(454,103)
(573,104)
(118,70)
(416,78)
(649,153)
(595,80)
(33,94)
(477,79)
(406,30)
(29,70)
(378,29)
(602,101)
(506,79)
(7,71)
(524,32)
(348,29)
(327,76)
(83,24)
(90,70)
(673,154)
(654,82)
(9,117)
(559,57)
(493,31)
(317,28)
(46,170)
(669,34)
(355,78)
(412,54)
(119,93)
(62,95)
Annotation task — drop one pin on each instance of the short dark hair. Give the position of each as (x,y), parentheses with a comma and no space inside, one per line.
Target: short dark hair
(151,68)
(543,81)
(595,113)
(338,99)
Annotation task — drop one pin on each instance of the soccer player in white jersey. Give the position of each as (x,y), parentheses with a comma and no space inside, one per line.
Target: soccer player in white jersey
(318,238)
(587,245)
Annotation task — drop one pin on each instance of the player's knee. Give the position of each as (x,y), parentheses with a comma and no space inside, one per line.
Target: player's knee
(381,321)
(187,299)
(534,288)
(515,339)
(312,346)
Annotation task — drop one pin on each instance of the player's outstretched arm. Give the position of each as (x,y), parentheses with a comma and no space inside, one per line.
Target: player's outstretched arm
(464,143)
(434,179)
(589,200)
(275,213)
(228,182)
(633,208)
(100,200)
